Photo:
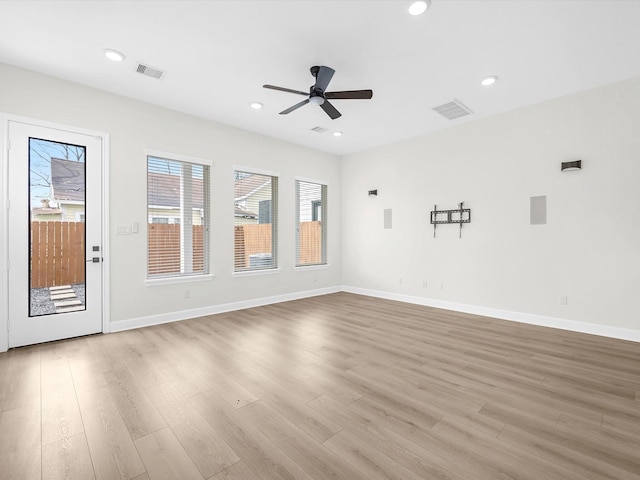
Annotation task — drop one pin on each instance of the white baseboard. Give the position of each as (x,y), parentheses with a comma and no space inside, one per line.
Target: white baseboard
(540,320)
(213,309)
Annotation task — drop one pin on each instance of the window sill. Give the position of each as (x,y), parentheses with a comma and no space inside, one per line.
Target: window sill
(153,282)
(302,268)
(252,273)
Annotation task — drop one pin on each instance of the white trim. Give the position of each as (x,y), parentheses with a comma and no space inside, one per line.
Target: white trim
(214,309)
(106,228)
(311,180)
(181,212)
(251,273)
(324,222)
(570,325)
(4,218)
(256,171)
(319,266)
(528,318)
(154,282)
(275,195)
(51,125)
(4,234)
(176,156)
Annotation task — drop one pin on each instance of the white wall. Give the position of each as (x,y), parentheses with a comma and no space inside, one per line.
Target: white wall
(134,126)
(589,250)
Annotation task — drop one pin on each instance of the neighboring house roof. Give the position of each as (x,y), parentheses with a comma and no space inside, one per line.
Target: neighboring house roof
(246,186)
(46,211)
(67,180)
(165,191)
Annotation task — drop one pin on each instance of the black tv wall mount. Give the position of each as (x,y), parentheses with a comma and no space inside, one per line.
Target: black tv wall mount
(440,217)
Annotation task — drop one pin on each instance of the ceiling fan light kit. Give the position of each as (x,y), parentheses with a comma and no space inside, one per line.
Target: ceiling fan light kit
(319,96)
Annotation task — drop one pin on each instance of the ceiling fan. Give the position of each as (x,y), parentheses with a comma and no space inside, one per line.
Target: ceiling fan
(318,96)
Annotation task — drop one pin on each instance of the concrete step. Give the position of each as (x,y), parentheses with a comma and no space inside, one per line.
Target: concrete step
(63,296)
(67,303)
(60,292)
(75,308)
(59,287)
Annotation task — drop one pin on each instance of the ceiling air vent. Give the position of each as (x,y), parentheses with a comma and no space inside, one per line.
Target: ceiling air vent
(150,71)
(453,110)
(319,129)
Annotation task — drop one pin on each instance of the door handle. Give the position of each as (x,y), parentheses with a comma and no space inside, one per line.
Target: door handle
(94,260)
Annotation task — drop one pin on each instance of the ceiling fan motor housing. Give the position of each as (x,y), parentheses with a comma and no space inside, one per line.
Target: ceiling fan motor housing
(317,94)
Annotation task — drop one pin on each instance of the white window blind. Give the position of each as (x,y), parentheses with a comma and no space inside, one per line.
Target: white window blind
(178,213)
(255,206)
(311,223)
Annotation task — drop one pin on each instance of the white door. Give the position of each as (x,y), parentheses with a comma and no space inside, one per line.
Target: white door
(55,222)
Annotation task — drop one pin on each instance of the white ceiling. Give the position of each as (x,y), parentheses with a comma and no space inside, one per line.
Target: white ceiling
(218,54)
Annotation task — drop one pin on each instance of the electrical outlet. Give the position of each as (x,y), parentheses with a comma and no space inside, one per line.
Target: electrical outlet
(187,294)
(563,300)
(399,281)
(424,284)
(441,286)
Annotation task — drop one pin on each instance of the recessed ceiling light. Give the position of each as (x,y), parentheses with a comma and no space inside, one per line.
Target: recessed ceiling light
(337,134)
(418,8)
(489,81)
(256,105)
(113,55)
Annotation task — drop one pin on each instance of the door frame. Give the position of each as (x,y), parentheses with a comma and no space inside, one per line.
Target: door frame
(4,217)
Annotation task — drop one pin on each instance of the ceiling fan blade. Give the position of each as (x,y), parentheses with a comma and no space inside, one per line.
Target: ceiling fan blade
(330,110)
(324,76)
(295,107)
(355,94)
(272,87)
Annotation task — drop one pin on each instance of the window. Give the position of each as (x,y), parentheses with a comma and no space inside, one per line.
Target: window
(165,220)
(255,203)
(178,216)
(316,210)
(311,223)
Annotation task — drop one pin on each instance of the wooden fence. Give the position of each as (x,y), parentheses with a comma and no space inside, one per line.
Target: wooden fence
(58,249)
(164,248)
(57,253)
(310,243)
(252,239)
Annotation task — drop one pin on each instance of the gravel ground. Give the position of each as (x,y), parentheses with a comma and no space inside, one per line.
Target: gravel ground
(41,303)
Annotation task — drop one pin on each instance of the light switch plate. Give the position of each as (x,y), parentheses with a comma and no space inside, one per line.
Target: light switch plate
(123,229)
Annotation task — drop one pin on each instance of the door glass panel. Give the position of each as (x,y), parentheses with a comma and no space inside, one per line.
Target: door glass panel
(57,227)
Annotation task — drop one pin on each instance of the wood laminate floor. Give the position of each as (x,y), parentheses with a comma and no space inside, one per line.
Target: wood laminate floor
(334,387)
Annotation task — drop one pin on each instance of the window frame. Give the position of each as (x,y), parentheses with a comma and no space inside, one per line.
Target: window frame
(275,194)
(324,200)
(166,279)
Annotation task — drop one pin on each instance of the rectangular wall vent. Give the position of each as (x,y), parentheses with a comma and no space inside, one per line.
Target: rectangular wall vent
(150,71)
(319,129)
(453,110)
